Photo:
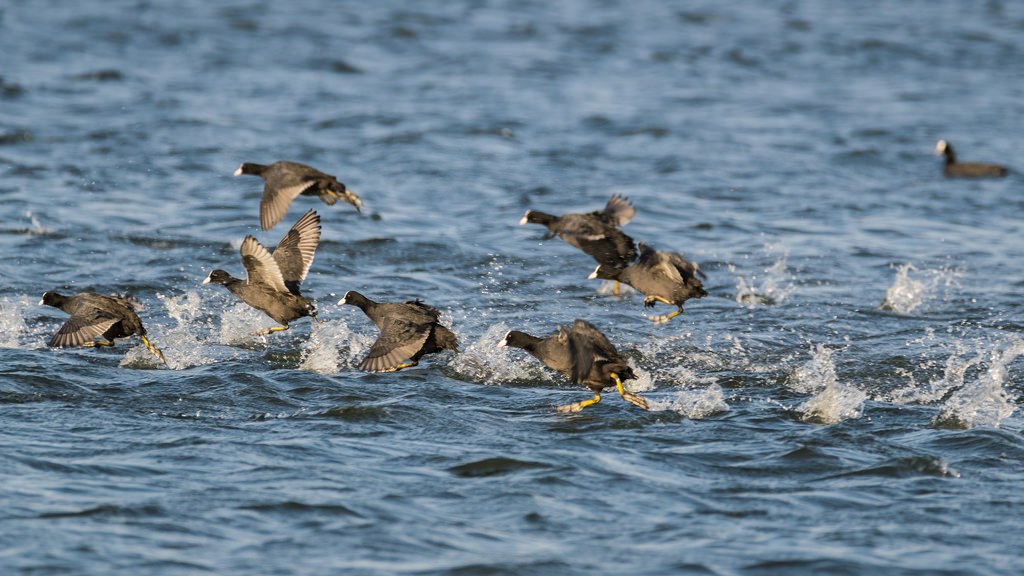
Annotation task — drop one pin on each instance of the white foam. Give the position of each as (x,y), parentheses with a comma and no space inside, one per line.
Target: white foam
(333,346)
(773,285)
(13,310)
(831,400)
(486,362)
(982,401)
(909,293)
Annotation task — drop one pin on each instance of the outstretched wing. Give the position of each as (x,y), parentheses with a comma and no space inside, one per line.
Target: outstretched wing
(294,254)
(276,200)
(398,342)
(80,329)
(260,267)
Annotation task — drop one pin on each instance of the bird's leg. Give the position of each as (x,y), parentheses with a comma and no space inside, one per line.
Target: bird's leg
(666,317)
(630,397)
(156,351)
(266,331)
(97,344)
(405,365)
(577,406)
(313,316)
(616,287)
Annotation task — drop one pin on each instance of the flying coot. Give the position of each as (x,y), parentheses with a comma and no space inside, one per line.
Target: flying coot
(272,280)
(97,315)
(966,169)
(585,355)
(595,233)
(285,181)
(408,330)
(662,276)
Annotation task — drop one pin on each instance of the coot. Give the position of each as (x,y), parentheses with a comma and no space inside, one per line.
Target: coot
(408,330)
(94,316)
(966,169)
(662,276)
(285,181)
(585,355)
(272,280)
(595,233)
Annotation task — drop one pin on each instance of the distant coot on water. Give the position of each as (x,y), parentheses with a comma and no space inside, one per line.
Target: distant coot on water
(272,280)
(408,330)
(662,276)
(595,233)
(285,181)
(966,169)
(94,316)
(585,355)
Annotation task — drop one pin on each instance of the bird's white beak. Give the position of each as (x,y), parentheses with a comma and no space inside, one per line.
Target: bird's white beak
(342,301)
(207,280)
(238,172)
(593,274)
(523,219)
(40,302)
(503,339)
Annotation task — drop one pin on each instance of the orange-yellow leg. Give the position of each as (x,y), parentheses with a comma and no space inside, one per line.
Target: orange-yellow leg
(400,366)
(97,344)
(635,399)
(665,317)
(269,330)
(156,351)
(577,406)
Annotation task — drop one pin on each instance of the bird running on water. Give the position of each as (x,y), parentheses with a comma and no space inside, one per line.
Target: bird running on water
(97,315)
(585,355)
(272,279)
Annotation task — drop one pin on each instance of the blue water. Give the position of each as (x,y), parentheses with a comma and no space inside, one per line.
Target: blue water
(845,401)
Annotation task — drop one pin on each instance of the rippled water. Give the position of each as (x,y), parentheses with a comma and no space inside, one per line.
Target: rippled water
(846,399)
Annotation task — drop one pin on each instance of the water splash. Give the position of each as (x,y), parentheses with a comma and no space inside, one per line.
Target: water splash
(13,310)
(332,346)
(772,286)
(832,401)
(239,321)
(908,294)
(185,342)
(697,404)
(607,288)
(486,362)
(35,227)
(983,401)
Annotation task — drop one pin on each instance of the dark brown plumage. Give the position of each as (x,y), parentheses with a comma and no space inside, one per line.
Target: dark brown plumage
(408,330)
(585,355)
(595,233)
(285,181)
(952,167)
(662,276)
(94,316)
(273,279)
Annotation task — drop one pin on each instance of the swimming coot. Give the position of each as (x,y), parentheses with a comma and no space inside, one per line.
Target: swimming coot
(94,316)
(408,330)
(595,233)
(662,276)
(966,169)
(272,280)
(285,181)
(585,355)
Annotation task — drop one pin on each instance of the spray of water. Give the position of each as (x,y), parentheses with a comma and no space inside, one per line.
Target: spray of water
(773,285)
(982,401)
(913,288)
(831,401)
(13,310)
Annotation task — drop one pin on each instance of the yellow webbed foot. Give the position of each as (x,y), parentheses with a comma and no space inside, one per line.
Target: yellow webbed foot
(635,399)
(156,351)
(577,406)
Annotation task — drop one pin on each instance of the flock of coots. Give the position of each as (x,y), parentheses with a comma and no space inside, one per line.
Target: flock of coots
(409,330)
